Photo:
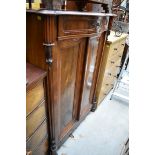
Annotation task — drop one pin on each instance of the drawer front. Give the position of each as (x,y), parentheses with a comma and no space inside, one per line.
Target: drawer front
(114,61)
(42,148)
(121,46)
(108,82)
(37,137)
(112,72)
(34,97)
(108,78)
(79,25)
(35,119)
(116,48)
(113,50)
(116,55)
(104,92)
(101,97)
(105,89)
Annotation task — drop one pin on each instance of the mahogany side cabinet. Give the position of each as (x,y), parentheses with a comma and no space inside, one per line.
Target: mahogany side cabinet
(69,46)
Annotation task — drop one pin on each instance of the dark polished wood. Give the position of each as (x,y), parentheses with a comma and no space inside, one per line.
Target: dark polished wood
(92,49)
(98,68)
(70,52)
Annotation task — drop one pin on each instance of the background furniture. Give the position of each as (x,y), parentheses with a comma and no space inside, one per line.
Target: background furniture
(37,141)
(71,5)
(125,52)
(122,82)
(121,22)
(110,65)
(69,46)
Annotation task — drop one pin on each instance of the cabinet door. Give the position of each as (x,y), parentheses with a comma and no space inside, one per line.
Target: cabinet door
(71,61)
(86,102)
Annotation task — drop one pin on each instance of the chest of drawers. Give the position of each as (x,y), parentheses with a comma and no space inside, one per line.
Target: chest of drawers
(36,111)
(110,65)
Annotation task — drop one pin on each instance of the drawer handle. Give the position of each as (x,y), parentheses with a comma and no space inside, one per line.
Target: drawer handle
(107,84)
(109,74)
(122,44)
(112,85)
(112,62)
(115,76)
(115,49)
(118,66)
(105,94)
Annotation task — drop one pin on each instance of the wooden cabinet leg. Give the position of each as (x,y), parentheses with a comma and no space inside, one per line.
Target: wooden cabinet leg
(94,106)
(53,148)
(53,152)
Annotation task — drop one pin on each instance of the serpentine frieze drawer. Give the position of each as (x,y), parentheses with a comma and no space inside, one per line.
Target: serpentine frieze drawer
(81,25)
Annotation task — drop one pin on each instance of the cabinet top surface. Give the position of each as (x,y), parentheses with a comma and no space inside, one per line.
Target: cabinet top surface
(76,13)
(113,38)
(33,74)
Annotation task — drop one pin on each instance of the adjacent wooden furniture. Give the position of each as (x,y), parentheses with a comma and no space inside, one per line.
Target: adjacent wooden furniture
(36,111)
(110,65)
(70,5)
(69,46)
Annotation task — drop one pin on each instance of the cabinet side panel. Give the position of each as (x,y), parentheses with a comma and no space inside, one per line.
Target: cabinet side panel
(34,40)
(102,72)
